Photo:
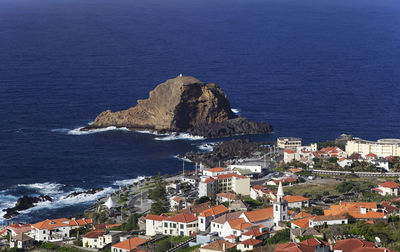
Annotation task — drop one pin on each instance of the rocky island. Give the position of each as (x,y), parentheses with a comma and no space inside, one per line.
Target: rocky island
(183,104)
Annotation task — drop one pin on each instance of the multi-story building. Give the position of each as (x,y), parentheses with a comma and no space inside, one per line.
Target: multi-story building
(288,142)
(128,245)
(182,224)
(100,238)
(225,183)
(382,147)
(210,214)
(51,230)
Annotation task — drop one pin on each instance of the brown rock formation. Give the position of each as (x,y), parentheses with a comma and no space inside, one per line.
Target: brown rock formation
(180,104)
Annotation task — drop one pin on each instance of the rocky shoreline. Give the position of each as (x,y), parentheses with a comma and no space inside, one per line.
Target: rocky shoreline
(184,105)
(224,151)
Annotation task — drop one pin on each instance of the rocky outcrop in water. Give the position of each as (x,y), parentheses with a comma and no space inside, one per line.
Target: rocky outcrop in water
(91,191)
(183,104)
(24,203)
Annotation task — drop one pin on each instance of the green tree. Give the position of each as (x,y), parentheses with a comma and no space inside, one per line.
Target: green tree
(159,196)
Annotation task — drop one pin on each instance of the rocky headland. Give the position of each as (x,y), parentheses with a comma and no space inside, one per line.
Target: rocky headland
(24,203)
(183,104)
(90,192)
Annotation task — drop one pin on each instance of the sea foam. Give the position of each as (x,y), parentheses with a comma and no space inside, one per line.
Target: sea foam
(181,136)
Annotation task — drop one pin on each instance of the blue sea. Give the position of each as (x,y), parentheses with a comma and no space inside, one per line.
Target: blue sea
(312,68)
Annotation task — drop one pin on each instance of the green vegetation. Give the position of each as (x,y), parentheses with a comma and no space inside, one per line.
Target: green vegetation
(131,224)
(54,247)
(97,217)
(311,189)
(170,242)
(159,196)
(280,237)
(201,200)
(251,203)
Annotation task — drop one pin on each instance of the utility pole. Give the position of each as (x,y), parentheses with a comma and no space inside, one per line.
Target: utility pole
(183,168)
(141,200)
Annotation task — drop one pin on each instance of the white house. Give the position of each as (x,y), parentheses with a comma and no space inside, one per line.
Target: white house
(235,227)
(342,162)
(177,203)
(208,215)
(297,201)
(51,230)
(327,220)
(249,244)
(218,223)
(182,224)
(257,191)
(264,217)
(388,188)
(154,224)
(100,238)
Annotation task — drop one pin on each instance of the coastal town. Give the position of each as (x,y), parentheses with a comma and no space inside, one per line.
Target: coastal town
(340,196)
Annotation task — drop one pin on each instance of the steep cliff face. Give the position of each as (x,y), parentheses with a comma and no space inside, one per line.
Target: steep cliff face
(182,104)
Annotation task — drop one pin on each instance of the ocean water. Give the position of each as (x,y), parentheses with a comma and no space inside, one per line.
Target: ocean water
(312,68)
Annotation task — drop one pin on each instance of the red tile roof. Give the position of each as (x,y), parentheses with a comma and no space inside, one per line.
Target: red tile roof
(217,169)
(295,198)
(255,232)
(182,218)
(251,242)
(156,217)
(208,180)
(390,184)
(217,210)
(314,242)
(289,151)
(302,215)
(260,214)
(349,245)
(130,244)
(94,234)
(50,224)
(239,224)
(218,245)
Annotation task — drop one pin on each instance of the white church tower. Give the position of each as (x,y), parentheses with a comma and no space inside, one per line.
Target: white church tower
(280,206)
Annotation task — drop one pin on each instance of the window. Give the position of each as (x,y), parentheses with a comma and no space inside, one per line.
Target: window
(181,233)
(182,227)
(201,221)
(174,225)
(44,231)
(165,224)
(213,224)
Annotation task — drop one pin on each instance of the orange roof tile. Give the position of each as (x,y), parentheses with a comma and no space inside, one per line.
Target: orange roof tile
(252,242)
(289,151)
(217,169)
(156,217)
(94,234)
(302,223)
(349,245)
(295,198)
(312,242)
(183,218)
(217,210)
(230,196)
(130,244)
(389,184)
(260,214)
(218,245)
(302,215)
(49,224)
(208,180)
(255,232)
(239,224)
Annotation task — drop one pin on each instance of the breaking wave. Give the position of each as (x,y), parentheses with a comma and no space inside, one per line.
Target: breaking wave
(180,136)
(236,111)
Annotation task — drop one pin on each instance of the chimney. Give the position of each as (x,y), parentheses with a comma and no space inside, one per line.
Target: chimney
(223,246)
